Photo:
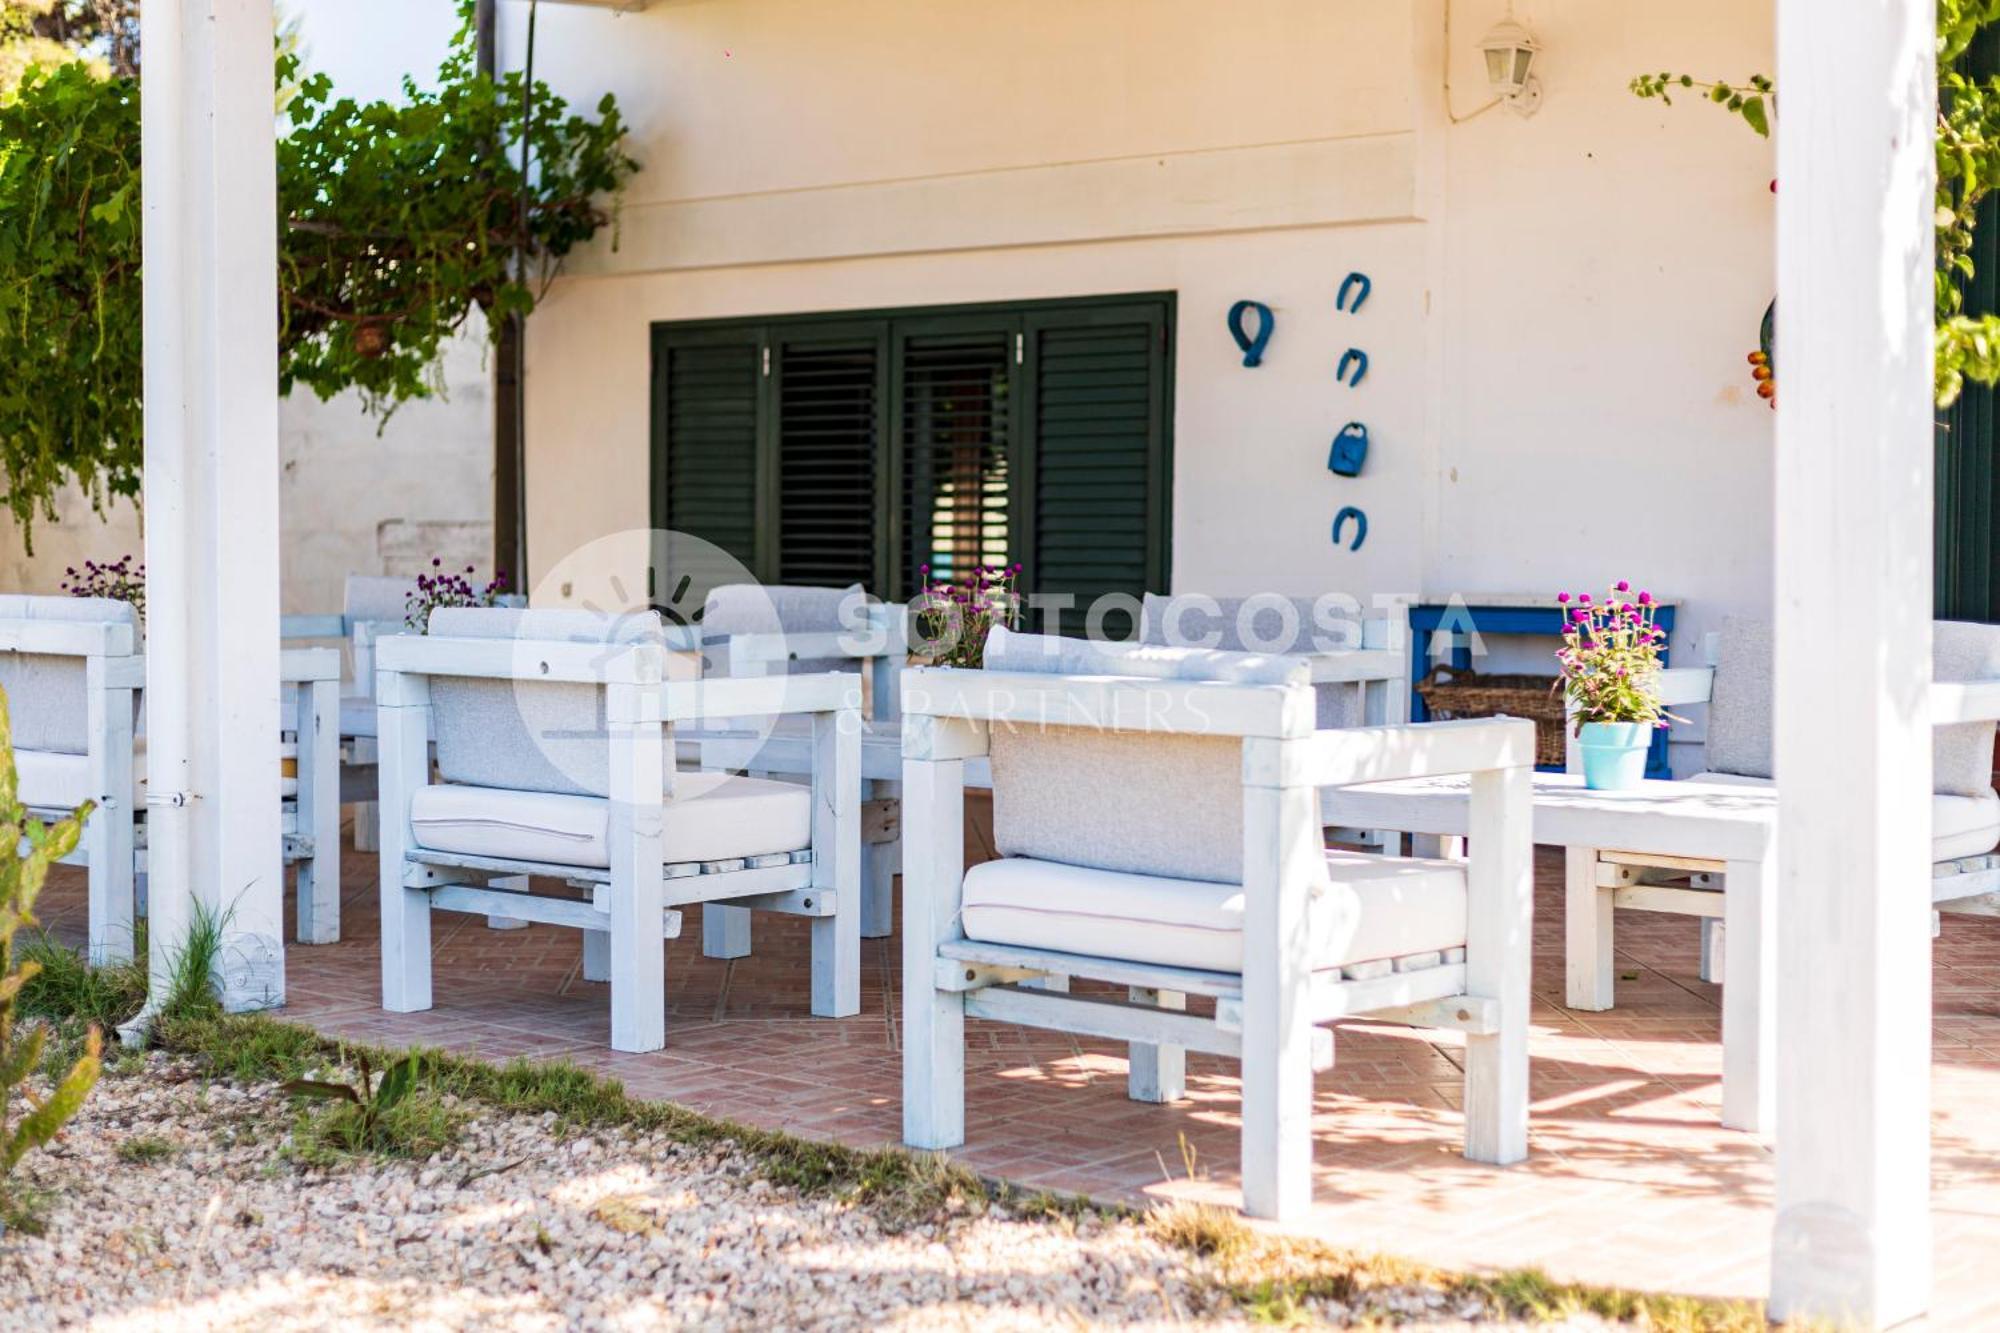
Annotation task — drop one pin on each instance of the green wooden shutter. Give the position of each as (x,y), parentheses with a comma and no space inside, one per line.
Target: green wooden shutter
(1098,486)
(1967,562)
(831,396)
(954,388)
(708,389)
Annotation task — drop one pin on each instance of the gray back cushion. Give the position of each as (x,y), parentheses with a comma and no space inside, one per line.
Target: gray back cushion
(527,734)
(46,692)
(1739,709)
(1265,623)
(757,608)
(1962,757)
(377,597)
(1739,714)
(1156,804)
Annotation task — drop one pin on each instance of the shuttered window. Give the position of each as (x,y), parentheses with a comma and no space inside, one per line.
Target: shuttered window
(860,448)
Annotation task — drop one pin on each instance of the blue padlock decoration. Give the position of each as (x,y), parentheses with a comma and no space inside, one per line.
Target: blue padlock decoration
(1357,359)
(1350,450)
(1252,346)
(1360,527)
(1347,284)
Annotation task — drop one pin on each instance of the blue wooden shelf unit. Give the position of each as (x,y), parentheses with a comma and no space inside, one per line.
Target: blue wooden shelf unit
(1504,614)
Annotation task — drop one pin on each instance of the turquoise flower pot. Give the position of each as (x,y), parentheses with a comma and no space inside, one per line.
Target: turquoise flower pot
(1614,754)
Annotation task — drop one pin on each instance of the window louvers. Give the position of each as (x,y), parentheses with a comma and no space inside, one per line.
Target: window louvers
(955,447)
(829,429)
(1095,425)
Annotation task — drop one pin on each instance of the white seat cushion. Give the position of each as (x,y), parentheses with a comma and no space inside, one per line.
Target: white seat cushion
(50,781)
(1960,825)
(62,781)
(712,817)
(1375,907)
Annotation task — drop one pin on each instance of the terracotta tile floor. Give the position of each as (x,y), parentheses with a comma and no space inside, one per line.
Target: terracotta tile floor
(1631,1180)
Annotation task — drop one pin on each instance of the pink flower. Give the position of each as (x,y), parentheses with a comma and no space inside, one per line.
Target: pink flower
(1622,586)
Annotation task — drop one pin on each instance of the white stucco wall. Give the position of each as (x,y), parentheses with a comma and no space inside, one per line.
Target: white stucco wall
(353,500)
(1562,304)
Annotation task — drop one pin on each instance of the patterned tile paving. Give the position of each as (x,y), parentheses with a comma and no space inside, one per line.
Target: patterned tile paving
(1631,1179)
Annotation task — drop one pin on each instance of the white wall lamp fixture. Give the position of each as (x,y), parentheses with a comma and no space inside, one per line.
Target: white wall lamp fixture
(1511,53)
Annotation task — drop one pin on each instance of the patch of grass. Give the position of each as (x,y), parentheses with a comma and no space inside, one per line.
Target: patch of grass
(24,1208)
(415,1127)
(1277,1279)
(67,987)
(191,991)
(146,1149)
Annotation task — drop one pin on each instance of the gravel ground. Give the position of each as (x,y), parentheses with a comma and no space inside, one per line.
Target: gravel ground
(518,1227)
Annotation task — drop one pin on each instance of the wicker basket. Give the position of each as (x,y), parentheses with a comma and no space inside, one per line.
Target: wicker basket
(1462,692)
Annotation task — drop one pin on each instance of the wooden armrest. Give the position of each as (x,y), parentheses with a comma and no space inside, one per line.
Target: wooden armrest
(1351,756)
(1965,701)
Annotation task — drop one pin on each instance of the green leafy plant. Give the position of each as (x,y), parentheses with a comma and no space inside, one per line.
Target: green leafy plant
(1610,658)
(22,875)
(392,1114)
(397,220)
(1968,168)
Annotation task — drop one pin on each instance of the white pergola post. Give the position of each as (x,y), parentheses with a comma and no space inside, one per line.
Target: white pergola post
(211,489)
(1857,86)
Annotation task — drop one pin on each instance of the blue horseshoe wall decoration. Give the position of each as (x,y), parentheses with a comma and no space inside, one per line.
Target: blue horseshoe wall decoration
(1360,527)
(1356,358)
(1251,346)
(1347,284)
(1350,450)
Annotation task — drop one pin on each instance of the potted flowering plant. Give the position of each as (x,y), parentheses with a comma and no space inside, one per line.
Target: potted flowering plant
(443,587)
(1610,660)
(952,619)
(123,579)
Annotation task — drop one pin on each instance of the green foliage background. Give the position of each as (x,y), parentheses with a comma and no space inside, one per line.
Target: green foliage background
(1968,169)
(397,220)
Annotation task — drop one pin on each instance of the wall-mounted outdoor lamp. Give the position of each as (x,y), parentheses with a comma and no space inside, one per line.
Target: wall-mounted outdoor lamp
(1510,51)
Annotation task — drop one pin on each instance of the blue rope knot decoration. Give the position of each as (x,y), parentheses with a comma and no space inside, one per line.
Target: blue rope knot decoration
(1252,347)
(1360,527)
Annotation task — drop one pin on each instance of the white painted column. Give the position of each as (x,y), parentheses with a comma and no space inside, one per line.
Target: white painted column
(1853,742)
(211,386)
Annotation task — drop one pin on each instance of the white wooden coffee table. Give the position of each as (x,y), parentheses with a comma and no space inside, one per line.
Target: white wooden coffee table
(1700,827)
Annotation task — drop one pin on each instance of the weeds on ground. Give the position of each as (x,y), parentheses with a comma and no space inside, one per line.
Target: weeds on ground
(396,1115)
(145,1149)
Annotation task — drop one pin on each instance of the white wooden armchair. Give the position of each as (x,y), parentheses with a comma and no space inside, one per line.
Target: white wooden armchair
(74,677)
(73,670)
(554,734)
(1158,812)
(752,630)
(1737,685)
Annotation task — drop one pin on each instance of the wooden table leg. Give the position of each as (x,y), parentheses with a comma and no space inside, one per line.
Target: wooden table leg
(1587,933)
(1749,987)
